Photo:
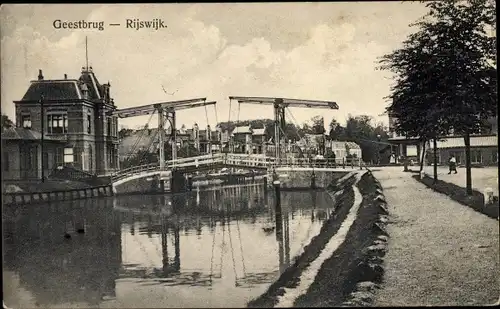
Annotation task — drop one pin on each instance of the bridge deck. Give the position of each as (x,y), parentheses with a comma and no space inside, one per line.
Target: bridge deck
(213,161)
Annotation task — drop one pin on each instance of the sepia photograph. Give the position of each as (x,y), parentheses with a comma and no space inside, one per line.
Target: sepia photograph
(234,155)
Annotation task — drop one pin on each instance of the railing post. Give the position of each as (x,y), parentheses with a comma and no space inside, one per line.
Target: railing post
(161,137)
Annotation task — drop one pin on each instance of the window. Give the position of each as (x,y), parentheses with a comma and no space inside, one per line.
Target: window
(89,124)
(68,155)
(91,159)
(26,121)
(109,126)
(45,158)
(57,123)
(476,156)
(115,126)
(494,156)
(5,161)
(59,157)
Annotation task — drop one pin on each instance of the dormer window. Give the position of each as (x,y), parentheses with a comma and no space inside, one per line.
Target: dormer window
(26,121)
(85,91)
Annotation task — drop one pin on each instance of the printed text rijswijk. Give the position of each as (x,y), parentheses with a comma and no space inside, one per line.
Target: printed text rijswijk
(135,23)
(148,24)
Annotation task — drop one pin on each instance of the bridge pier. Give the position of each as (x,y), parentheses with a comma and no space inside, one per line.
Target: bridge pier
(178,182)
(155,183)
(277,205)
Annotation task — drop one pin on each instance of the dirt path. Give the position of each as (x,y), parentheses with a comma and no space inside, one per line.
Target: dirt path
(440,252)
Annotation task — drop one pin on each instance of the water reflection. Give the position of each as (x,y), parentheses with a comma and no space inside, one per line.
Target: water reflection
(57,269)
(145,251)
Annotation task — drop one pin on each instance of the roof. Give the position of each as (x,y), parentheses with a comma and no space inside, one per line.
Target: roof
(96,90)
(242,130)
(475,141)
(66,89)
(259,131)
(53,90)
(27,135)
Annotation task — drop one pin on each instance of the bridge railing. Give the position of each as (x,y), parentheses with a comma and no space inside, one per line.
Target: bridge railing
(134,170)
(239,160)
(319,163)
(193,159)
(196,161)
(247,160)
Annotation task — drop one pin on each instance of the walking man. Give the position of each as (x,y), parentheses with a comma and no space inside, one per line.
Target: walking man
(453,164)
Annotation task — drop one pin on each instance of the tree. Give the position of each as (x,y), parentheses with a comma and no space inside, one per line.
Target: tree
(360,130)
(445,74)
(124,132)
(318,126)
(336,132)
(6,122)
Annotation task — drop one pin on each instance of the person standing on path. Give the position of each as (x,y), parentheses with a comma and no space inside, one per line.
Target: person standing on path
(453,164)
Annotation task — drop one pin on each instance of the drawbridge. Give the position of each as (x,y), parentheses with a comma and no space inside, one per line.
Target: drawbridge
(166,113)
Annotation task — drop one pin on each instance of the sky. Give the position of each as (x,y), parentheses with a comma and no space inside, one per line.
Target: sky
(317,51)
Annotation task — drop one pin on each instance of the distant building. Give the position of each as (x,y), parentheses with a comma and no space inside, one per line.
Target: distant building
(241,140)
(343,149)
(259,141)
(403,147)
(484,150)
(77,112)
(203,141)
(484,145)
(209,140)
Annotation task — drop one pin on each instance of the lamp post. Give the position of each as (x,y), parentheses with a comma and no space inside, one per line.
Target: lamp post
(378,149)
(42,123)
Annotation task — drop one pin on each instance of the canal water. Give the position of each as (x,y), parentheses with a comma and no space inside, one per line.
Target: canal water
(213,247)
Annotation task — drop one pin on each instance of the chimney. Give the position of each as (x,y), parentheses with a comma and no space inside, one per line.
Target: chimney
(65,76)
(40,75)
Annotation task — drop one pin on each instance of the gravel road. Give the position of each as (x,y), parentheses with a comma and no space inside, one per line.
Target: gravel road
(441,253)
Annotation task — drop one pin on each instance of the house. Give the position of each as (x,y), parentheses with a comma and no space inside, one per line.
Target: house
(78,112)
(404,147)
(241,140)
(209,141)
(484,150)
(22,154)
(259,141)
(204,141)
(344,149)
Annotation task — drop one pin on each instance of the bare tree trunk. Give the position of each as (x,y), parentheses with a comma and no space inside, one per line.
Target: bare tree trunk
(435,161)
(423,158)
(468,171)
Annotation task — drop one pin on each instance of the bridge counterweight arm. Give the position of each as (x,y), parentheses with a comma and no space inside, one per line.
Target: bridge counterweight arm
(283,102)
(150,108)
(193,105)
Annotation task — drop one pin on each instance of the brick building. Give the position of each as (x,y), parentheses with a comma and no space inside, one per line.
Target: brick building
(76,111)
